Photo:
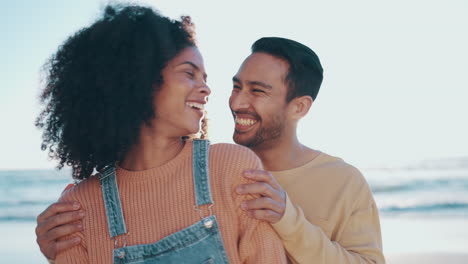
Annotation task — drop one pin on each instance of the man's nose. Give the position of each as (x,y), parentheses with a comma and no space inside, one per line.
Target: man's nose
(238,101)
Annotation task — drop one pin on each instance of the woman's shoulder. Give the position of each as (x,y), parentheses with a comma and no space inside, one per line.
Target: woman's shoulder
(227,165)
(231,153)
(232,149)
(229,161)
(82,191)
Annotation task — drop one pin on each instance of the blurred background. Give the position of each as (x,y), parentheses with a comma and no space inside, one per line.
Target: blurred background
(393,103)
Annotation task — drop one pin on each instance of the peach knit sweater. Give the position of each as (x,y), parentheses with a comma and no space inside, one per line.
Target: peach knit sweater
(159,201)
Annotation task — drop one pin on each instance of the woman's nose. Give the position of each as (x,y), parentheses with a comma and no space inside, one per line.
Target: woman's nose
(205,89)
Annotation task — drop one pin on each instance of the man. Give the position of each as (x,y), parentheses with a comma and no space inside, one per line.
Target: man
(328,214)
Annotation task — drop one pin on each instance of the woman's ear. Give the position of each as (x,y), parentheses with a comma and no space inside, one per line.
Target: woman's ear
(299,106)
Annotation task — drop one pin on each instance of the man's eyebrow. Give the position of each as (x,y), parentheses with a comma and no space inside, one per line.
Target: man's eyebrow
(254,83)
(261,84)
(194,66)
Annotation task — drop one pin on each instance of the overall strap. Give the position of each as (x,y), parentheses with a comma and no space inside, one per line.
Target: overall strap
(201,178)
(110,195)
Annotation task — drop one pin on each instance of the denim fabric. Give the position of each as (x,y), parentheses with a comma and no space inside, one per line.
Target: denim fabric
(195,244)
(110,195)
(201,178)
(198,243)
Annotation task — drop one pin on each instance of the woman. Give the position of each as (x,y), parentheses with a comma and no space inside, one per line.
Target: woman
(122,98)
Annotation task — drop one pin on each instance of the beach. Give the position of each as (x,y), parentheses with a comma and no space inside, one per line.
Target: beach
(429,258)
(406,240)
(19,243)
(428,240)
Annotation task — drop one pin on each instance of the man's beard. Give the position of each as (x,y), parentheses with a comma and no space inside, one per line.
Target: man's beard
(266,134)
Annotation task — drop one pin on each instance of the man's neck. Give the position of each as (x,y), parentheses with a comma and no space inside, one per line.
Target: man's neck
(285,154)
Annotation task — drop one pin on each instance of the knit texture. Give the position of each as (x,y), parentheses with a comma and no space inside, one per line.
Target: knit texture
(331,216)
(159,201)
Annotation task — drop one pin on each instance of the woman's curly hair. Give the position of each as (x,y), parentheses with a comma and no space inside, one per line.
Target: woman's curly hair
(101,83)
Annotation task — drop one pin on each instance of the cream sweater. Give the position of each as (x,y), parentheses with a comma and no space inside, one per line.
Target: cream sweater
(331,216)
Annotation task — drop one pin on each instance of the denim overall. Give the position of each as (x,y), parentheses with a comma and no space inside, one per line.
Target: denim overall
(198,243)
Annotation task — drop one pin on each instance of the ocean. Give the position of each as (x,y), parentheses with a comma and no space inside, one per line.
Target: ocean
(429,188)
(433,188)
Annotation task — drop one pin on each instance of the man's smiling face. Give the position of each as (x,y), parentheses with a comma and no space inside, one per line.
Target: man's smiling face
(258,100)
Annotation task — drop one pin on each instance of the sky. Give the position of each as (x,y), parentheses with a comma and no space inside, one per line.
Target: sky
(395,81)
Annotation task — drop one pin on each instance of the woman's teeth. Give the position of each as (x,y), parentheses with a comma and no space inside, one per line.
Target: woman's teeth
(195,105)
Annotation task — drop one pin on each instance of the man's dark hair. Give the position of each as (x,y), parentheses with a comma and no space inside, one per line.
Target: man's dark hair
(305,73)
(101,84)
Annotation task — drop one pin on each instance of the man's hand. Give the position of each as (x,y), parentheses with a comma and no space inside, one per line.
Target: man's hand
(271,205)
(58,220)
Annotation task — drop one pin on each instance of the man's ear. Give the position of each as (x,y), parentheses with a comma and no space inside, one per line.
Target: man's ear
(299,106)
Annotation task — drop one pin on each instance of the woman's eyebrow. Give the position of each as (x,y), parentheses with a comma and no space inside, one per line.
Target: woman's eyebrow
(194,66)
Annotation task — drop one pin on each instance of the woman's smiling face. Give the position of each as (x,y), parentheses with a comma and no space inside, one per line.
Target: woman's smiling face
(181,99)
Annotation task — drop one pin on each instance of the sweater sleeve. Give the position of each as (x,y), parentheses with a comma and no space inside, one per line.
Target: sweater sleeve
(76,255)
(307,243)
(258,241)
(79,253)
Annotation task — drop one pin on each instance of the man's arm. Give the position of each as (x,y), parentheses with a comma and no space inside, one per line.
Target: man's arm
(306,242)
(57,221)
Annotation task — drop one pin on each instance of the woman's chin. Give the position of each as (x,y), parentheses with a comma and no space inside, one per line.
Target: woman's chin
(192,133)
(195,129)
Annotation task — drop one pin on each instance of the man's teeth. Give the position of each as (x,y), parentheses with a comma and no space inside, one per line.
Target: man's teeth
(245,121)
(196,105)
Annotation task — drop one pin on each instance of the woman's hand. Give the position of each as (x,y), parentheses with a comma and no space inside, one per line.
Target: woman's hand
(58,220)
